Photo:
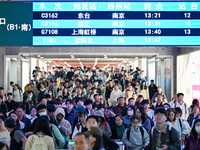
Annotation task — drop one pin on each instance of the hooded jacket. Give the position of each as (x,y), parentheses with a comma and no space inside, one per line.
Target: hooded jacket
(64,125)
(192,143)
(103,125)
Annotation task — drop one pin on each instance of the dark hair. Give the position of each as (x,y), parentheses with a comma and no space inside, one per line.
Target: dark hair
(82,112)
(1,97)
(118,115)
(92,116)
(10,122)
(141,85)
(1,88)
(98,143)
(19,106)
(134,117)
(179,94)
(143,114)
(194,102)
(2,145)
(41,106)
(70,101)
(42,125)
(96,95)
(178,110)
(17,121)
(85,135)
(167,105)
(160,110)
(9,93)
(171,110)
(88,101)
(78,99)
(51,108)
(11,82)
(193,129)
(130,99)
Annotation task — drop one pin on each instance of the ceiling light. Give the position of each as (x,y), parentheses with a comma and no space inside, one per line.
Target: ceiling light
(114,59)
(78,59)
(38,55)
(72,56)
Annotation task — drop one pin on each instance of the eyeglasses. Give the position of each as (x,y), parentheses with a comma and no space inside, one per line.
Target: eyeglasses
(135,122)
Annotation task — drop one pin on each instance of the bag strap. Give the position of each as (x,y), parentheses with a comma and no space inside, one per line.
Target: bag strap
(142,131)
(180,124)
(105,124)
(128,133)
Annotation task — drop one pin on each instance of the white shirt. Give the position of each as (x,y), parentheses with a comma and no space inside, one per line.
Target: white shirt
(184,108)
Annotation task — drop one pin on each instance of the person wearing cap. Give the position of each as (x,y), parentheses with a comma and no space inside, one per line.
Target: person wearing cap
(95,138)
(163,136)
(92,121)
(103,124)
(63,125)
(76,111)
(80,126)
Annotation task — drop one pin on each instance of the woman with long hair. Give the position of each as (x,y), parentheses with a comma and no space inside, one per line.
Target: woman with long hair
(42,132)
(176,123)
(144,121)
(19,123)
(96,138)
(119,127)
(144,90)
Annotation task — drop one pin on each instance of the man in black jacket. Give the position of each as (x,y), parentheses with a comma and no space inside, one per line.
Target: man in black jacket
(152,89)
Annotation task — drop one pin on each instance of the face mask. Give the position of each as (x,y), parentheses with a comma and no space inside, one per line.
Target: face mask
(50,93)
(166,108)
(96,84)
(43,113)
(197,128)
(29,96)
(130,113)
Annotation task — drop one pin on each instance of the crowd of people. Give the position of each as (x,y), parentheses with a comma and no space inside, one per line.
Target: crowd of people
(96,109)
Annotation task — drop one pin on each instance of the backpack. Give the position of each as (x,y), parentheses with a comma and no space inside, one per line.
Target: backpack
(129,130)
(39,143)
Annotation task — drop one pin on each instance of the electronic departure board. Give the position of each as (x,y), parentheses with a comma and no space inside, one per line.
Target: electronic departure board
(101,24)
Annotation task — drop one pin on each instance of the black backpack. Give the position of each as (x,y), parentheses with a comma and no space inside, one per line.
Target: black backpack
(129,130)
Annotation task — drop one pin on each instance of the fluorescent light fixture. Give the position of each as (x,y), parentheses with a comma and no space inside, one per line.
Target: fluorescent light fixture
(67,64)
(61,59)
(72,56)
(136,57)
(106,66)
(114,59)
(38,55)
(95,61)
(78,59)
(41,57)
(105,56)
